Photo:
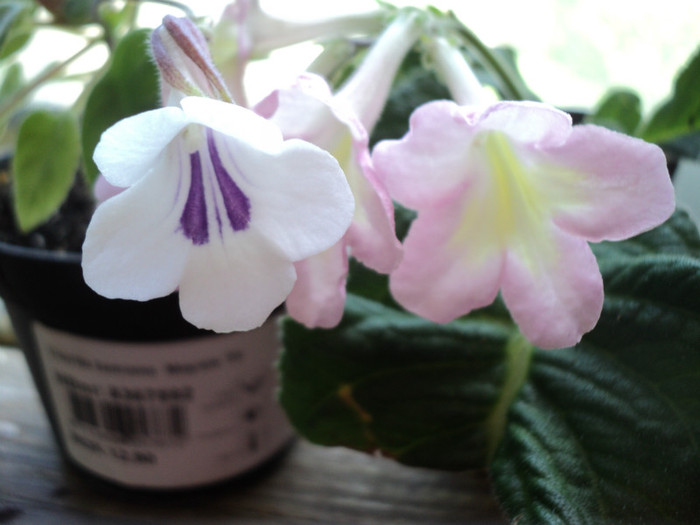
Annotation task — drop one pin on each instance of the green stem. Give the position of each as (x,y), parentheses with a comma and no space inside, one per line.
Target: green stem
(502,71)
(518,358)
(47,75)
(172,3)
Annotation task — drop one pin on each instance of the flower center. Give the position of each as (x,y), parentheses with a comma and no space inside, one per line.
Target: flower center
(207,171)
(517,201)
(521,207)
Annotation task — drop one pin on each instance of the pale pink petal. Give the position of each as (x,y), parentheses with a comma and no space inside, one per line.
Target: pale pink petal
(236,285)
(431,159)
(132,249)
(372,234)
(554,293)
(318,296)
(616,187)
(303,111)
(450,266)
(531,123)
(308,111)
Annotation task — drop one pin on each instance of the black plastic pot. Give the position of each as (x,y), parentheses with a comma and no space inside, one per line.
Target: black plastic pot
(137,417)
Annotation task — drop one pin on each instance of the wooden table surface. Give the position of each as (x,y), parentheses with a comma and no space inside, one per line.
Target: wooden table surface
(310,484)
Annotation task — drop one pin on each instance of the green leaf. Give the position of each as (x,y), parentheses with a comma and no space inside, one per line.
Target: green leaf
(604,432)
(619,110)
(508,59)
(44,165)
(13,81)
(681,114)
(129,86)
(609,431)
(386,380)
(74,12)
(15,25)
(117,18)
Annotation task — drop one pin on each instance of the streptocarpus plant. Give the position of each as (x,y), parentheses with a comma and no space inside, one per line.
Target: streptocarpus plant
(549,296)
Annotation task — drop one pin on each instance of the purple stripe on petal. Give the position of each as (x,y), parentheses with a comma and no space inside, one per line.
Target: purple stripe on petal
(194,215)
(236,202)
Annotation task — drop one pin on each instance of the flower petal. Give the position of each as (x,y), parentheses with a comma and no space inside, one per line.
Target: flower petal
(372,234)
(234,121)
(431,159)
(234,285)
(132,249)
(318,297)
(451,264)
(554,298)
(131,147)
(308,111)
(299,198)
(620,188)
(303,111)
(527,122)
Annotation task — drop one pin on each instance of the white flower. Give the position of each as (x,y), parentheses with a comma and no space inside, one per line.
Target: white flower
(218,206)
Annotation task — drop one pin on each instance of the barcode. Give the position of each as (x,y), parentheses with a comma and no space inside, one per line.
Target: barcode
(129,421)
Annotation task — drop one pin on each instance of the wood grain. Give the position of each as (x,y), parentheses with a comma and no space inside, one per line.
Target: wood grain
(309,484)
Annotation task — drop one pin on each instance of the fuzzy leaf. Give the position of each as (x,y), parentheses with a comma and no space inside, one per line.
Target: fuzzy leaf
(607,431)
(44,165)
(130,86)
(386,380)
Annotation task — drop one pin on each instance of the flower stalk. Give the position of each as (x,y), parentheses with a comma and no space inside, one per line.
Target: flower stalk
(18,96)
(509,87)
(367,90)
(246,32)
(452,67)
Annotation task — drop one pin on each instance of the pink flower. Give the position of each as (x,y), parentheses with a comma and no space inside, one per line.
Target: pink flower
(338,123)
(508,197)
(309,111)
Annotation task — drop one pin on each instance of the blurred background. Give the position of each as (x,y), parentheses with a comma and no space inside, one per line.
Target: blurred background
(570,52)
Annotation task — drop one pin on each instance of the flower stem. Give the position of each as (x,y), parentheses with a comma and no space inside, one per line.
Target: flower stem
(282,33)
(172,3)
(511,89)
(461,81)
(47,75)
(368,88)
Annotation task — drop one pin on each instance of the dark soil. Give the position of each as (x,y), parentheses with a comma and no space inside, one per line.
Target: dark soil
(64,231)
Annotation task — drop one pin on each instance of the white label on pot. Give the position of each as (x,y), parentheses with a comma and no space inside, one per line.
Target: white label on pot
(168,414)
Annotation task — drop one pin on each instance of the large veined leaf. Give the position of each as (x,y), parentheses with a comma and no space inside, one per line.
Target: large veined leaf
(611,428)
(130,86)
(385,380)
(607,431)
